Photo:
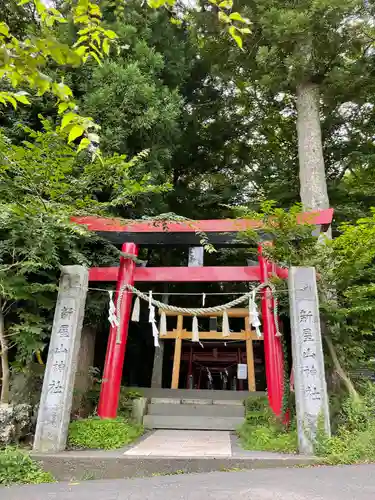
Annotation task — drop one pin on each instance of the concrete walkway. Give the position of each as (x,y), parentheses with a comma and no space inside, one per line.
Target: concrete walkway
(165,452)
(316,483)
(176,443)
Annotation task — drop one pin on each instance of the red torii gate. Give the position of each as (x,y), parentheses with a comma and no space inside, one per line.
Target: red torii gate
(219,232)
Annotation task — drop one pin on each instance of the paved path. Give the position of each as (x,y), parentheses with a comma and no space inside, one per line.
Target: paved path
(169,443)
(178,443)
(317,483)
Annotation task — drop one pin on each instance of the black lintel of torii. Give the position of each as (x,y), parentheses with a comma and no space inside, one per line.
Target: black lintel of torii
(230,239)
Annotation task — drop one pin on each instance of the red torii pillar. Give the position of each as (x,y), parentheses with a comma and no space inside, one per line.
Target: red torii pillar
(114,359)
(273,350)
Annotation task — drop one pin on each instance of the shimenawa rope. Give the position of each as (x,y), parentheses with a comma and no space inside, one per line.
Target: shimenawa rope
(198,310)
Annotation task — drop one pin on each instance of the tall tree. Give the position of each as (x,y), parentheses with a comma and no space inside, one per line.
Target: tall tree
(303,50)
(135,96)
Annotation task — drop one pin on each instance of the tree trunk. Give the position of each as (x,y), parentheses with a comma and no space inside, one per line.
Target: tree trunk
(4,398)
(341,372)
(313,185)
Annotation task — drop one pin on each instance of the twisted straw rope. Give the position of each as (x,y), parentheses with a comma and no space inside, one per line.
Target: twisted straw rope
(195,311)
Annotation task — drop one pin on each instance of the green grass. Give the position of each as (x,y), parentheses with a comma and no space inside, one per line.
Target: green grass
(261,431)
(268,438)
(17,467)
(174,473)
(102,434)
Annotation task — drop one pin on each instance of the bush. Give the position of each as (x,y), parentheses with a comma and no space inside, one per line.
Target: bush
(354,440)
(256,404)
(125,401)
(17,467)
(130,394)
(106,434)
(125,405)
(348,447)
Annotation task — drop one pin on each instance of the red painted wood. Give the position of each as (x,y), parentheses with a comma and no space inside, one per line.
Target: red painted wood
(114,359)
(225,225)
(323,217)
(282,272)
(180,274)
(273,352)
(103,273)
(274,270)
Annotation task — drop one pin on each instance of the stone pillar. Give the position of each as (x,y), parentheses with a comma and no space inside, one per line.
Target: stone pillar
(57,392)
(196,255)
(308,360)
(83,378)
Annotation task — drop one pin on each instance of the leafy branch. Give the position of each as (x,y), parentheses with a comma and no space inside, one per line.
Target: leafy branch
(22,63)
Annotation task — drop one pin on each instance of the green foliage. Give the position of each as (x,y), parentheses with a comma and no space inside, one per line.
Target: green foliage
(352,442)
(350,270)
(47,174)
(257,130)
(268,438)
(133,109)
(233,21)
(24,60)
(125,406)
(256,404)
(135,96)
(16,467)
(261,431)
(20,66)
(354,439)
(344,266)
(290,43)
(132,394)
(43,183)
(106,434)
(292,235)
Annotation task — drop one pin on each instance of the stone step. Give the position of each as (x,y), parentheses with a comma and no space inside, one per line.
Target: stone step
(191,410)
(170,401)
(197,423)
(148,392)
(228,402)
(199,401)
